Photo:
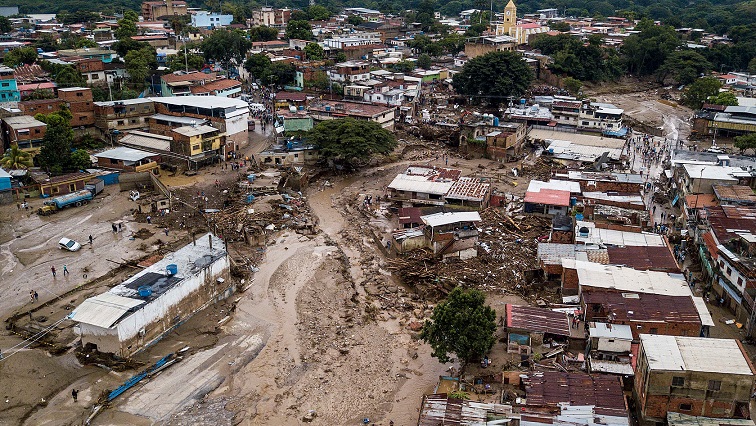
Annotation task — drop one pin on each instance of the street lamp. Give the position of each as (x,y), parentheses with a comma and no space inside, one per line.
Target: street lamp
(698,192)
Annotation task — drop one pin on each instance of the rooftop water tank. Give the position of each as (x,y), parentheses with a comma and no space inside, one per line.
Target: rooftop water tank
(250,198)
(172,269)
(584,231)
(496,121)
(251,178)
(145,291)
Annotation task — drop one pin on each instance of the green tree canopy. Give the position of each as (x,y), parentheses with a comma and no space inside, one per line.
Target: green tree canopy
(701,90)
(350,143)
(262,33)
(317,12)
(314,52)
(226,47)
(724,98)
(126,28)
(572,85)
(138,64)
(55,155)
(299,30)
(193,61)
(745,142)
(20,56)
(462,325)
(15,158)
(494,76)
(355,20)
(258,65)
(683,67)
(573,57)
(127,44)
(5,25)
(80,160)
(424,61)
(646,51)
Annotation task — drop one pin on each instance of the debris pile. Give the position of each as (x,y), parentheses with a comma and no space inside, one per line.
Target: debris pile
(506,260)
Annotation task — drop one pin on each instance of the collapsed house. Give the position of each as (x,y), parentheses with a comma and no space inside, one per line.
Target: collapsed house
(142,309)
(449,235)
(437,186)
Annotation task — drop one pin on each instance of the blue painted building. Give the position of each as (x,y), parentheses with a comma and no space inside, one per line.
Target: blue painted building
(209,20)
(5,180)
(8,86)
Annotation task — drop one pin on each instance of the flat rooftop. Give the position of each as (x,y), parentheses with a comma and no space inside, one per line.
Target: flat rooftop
(677,353)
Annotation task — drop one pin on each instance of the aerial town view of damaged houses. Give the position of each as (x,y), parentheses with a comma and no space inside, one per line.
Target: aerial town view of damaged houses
(394,213)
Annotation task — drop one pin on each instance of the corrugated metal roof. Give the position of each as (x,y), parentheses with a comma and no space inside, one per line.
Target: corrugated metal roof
(439,219)
(561,185)
(124,154)
(703,312)
(643,258)
(421,184)
(551,388)
(611,367)
(550,197)
(614,331)
(677,353)
(147,141)
(679,419)
(627,279)
(537,319)
(104,310)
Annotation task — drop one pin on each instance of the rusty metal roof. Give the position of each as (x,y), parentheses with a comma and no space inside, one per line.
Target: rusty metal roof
(551,387)
(538,320)
(468,189)
(630,306)
(643,258)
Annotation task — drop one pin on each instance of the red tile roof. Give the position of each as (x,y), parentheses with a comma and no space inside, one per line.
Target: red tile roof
(291,96)
(192,76)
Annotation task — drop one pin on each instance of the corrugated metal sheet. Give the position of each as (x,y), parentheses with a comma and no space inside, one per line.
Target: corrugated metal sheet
(537,320)
(676,353)
(104,310)
(551,388)
(439,219)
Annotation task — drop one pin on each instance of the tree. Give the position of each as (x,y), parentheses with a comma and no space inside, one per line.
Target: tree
(745,142)
(476,30)
(350,143)
(752,66)
(5,25)
(572,85)
(425,11)
(317,12)
(55,155)
(80,160)
(15,158)
(299,30)
(193,61)
(261,33)
(462,325)
(560,26)
(355,20)
(126,28)
(319,80)
(20,56)
(403,66)
(46,42)
(724,98)
(314,52)
(281,74)
(258,65)
(340,57)
(226,47)
(126,45)
(494,76)
(701,90)
(683,67)
(131,16)
(644,52)
(424,61)
(299,15)
(138,64)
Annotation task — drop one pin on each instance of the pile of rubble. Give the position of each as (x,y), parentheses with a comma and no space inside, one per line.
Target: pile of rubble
(539,169)
(506,260)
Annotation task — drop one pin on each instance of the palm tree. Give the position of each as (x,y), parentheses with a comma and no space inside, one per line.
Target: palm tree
(15,158)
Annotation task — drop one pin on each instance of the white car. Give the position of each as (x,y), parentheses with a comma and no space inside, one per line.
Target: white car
(68,244)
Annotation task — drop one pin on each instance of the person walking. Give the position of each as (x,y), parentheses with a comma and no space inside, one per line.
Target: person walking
(149,219)
(90,240)
(52,268)
(74,394)
(36,296)
(65,270)
(31,295)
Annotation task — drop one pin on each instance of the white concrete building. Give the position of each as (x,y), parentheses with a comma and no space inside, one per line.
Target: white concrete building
(139,311)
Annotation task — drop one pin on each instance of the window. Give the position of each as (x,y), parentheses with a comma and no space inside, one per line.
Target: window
(729,271)
(6,84)
(653,330)
(94,77)
(714,385)
(686,407)
(36,131)
(120,122)
(721,263)
(678,381)
(740,280)
(113,161)
(72,187)
(79,94)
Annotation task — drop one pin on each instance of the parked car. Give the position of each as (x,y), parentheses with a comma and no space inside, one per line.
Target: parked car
(68,244)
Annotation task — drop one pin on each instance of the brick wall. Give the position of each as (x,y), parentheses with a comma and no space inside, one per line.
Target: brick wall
(570,282)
